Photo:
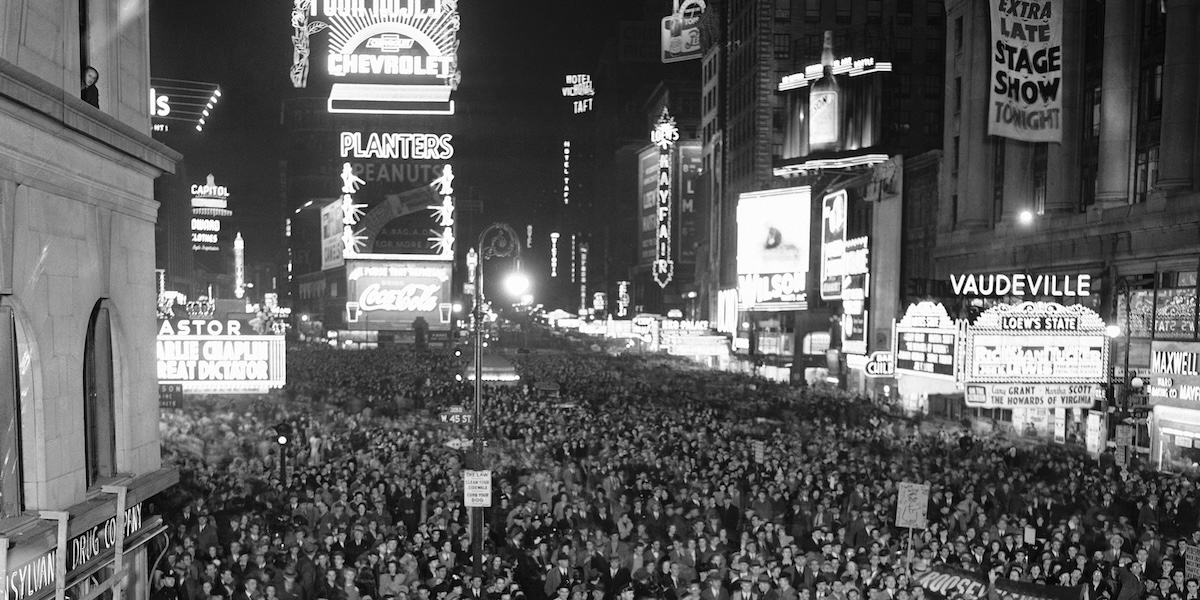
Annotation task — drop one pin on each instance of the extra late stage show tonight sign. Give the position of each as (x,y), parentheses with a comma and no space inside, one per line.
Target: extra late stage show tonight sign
(1026,86)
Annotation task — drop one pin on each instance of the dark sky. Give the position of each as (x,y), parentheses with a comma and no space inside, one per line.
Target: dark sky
(512,58)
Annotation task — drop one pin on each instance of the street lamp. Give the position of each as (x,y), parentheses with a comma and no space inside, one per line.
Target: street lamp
(502,243)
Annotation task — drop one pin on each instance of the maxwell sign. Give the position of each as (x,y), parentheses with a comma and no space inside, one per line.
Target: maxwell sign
(394,294)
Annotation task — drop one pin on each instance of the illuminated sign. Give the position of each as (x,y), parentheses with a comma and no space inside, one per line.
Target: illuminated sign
(664,135)
(214,356)
(843,66)
(189,103)
(394,294)
(772,249)
(566,172)
(623,299)
(529,236)
(1021,284)
(397,145)
(239,265)
(691,160)
(210,203)
(880,364)
(1027,41)
(856,291)
(1174,378)
(583,259)
(648,206)
(833,242)
(581,90)
(387,56)
(680,32)
(574,249)
(926,342)
(554,254)
(1037,342)
(599,301)
(727,311)
(1003,395)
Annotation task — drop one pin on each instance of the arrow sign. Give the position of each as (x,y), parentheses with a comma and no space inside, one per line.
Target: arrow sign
(459,444)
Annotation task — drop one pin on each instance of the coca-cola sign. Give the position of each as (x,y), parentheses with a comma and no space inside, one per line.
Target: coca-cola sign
(411,297)
(393,295)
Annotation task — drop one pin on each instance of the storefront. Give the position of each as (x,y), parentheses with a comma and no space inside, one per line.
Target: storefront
(1174,392)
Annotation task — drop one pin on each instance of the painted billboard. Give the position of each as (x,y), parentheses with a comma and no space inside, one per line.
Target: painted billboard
(772,249)
(833,243)
(1027,62)
(394,295)
(220,356)
(680,32)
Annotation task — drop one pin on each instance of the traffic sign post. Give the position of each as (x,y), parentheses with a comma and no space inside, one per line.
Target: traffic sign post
(477,489)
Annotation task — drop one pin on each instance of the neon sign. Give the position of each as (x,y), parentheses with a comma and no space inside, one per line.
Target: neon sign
(210,203)
(664,135)
(396,293)
(580,87)
(622,298)
(583,255)
(554,254)
(397,146)
(443,239)
(566,172)
(395,56)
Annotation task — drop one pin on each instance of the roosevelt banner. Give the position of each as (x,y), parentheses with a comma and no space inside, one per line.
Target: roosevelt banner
(1026,99)
(948,583)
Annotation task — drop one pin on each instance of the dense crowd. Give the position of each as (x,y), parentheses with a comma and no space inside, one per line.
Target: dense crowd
(641,478)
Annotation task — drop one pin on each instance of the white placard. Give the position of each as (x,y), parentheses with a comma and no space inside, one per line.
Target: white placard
(477,489)
(912,505)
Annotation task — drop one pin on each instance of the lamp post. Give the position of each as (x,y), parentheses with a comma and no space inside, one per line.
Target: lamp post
(1128,384)
(503,243)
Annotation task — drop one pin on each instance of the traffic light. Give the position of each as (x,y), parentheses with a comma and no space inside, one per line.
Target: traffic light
(284,430)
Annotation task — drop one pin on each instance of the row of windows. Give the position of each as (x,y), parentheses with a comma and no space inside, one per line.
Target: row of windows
(845,11)
(97,406)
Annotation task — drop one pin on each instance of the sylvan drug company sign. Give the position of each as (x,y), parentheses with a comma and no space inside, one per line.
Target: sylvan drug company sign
(1035,343)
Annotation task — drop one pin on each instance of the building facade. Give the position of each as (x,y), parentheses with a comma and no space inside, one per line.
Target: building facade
(77,291)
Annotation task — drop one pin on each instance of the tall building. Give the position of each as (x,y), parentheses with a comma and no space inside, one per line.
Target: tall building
(1113,198)
(762,61)
(77,298)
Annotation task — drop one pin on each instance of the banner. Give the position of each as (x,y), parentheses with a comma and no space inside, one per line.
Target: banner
(1026,101)
(942,582)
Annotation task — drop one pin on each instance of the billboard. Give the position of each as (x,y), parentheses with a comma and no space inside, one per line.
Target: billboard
(1174,378)
(1025,102)
(772,249)
(856,288)
(853,131)
(647,204)
(393,295)
(331,235)
(680,32)
(210,205)
(217,356)
(1036,343)
(833,242)
(383,56)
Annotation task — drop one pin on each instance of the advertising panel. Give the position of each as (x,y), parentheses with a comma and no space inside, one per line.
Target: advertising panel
(581,92)
(647,206)
(394,295)
(856,124)
(680,32)
(1175,314)
(210,205)
(1080,395)
(772,249)
(331,236)
(690,161)
(1026,71)
(926,342)
(856,287)
(1035,343)
(833,243)
(384,56)
(1174,374)
(220,356)
(664,135)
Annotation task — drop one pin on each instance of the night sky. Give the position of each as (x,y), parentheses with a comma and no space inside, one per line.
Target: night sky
(512,56)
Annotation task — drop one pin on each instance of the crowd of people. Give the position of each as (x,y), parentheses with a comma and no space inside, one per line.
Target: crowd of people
(639,478)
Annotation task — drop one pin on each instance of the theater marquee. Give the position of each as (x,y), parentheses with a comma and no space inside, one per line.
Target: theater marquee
(219,356)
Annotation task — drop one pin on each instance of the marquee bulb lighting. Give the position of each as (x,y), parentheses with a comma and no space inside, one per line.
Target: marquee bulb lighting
(204,112)
(199,128)
(217,93)
(1113,331)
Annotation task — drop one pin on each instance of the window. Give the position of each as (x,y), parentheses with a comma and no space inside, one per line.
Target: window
(998,157)
(1095,116)
(1146,176)
(904,9)
(954,156)
(935,52)
(1041,161)
(934,13)
(1154,18)
(783,45)
(99,418)
(958,34)
(843,15)
(783,9)
(812,11)
(903,49)
(1150,93)
(11,472)
(875,11)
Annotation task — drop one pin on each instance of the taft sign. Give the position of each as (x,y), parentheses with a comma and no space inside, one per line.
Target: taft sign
(219,356)
(1036,343)
(1026,101)
(393,295)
